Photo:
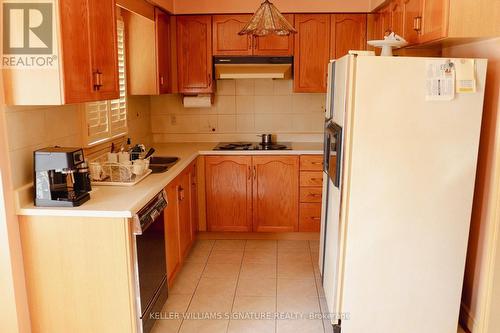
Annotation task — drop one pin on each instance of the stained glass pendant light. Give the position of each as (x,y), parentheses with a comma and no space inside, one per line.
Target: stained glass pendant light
(267,20)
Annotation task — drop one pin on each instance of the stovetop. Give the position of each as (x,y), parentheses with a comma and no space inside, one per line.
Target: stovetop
(253,146)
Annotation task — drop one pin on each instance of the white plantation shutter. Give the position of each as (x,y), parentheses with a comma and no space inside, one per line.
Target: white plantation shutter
(108,119)
(118,106)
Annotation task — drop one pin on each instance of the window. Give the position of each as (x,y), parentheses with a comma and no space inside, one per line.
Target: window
(108,119)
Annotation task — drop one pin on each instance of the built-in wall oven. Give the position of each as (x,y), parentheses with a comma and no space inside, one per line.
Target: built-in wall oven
(150,265)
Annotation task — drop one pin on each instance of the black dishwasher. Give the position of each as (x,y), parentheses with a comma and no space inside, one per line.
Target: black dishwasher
(150,261)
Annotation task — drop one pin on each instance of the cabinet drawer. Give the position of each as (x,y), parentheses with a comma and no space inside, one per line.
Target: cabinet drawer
(311,162)
(310,217)
(310,194)
(311,178)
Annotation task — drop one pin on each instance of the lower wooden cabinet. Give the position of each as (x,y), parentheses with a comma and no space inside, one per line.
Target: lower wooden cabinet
(275,193)
(310,217)
(229,193)
(252,193)
(311,181)
(180,219)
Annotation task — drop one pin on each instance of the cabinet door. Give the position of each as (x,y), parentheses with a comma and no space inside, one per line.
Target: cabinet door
(163,51)
(194,54)
(171,216)
(76,48)
(348,33)
(226,40)
(412,15)
(274,45)
(397,17)
(434,20)
(193,199)
(229,193)
(275,193)
(312,48)
(185,222)
(385,20)
(104,47)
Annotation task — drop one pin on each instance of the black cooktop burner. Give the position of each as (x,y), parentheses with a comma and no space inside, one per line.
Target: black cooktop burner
(252,146)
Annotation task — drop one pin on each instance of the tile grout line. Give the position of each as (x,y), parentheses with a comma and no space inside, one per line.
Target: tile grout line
(236,288)
(197,284)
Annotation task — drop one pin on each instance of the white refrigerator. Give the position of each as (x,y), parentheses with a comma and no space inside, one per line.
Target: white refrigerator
(401,149)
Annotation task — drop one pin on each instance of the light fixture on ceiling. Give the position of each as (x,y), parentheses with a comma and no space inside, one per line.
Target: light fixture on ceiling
(267,20)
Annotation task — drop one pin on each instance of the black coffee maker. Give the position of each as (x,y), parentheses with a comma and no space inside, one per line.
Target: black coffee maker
(61,177)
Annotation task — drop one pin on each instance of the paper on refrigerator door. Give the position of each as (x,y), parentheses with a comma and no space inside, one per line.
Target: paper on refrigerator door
(440,82)
(465,75)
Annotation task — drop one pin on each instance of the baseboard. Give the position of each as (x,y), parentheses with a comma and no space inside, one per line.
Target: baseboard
(466,320)
(259,235)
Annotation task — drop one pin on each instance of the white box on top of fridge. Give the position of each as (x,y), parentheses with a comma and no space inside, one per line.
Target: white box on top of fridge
(398,201)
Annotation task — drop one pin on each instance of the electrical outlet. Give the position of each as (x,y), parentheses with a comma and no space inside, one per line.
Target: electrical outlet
(173,120)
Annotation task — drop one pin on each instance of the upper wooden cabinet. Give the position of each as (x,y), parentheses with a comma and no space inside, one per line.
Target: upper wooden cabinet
(194,54)
(275,193)
(163,43)
(84,59)
(426,21)
(312,50)
(348,32)
(229,193)
(227,42)
(149,53)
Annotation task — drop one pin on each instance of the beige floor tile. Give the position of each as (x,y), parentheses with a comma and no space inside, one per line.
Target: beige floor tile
(289,287)
(210,286)
(263,245)
(222,271)
(258,271)
(298,304)
(198,256)
(177,303)
(255,304)
(229,245)
(190,271)
(294,256)
(204,243)
(204,326)
(297,270)
(299,326)
(314,244)
(183,286)
(259,257)
(210,303)
(256,287)
(225,257)
(293,245)
(252,326)
(167,326)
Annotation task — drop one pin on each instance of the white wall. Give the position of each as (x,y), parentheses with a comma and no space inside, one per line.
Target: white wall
(242,109)
(478,289)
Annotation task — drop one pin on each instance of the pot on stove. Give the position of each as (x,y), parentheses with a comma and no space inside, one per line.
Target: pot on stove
(267,139)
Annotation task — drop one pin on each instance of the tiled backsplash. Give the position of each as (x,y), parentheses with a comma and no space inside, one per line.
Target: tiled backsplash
(241,108)
(32,128)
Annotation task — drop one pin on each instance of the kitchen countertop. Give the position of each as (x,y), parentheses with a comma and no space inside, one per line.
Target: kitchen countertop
(124,202)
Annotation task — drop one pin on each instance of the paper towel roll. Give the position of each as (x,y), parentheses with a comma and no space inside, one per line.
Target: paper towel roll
(197,101)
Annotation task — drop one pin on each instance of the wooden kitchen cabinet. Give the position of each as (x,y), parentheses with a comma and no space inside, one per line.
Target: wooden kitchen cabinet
(397,17)
(194,54)
(171,217)
(163,45)
(274,45)
(89,50)
(229,193)
(226,40)
(149,53)
(311,192)
(412,15)
(310,217)
(275,193)
(312,52)
(348,32)
(434,20)
(185,214)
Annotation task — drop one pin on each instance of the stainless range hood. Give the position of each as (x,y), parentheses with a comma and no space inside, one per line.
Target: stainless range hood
(253,67)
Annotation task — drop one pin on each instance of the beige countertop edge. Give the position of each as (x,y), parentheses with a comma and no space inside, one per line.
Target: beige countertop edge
(124,202)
